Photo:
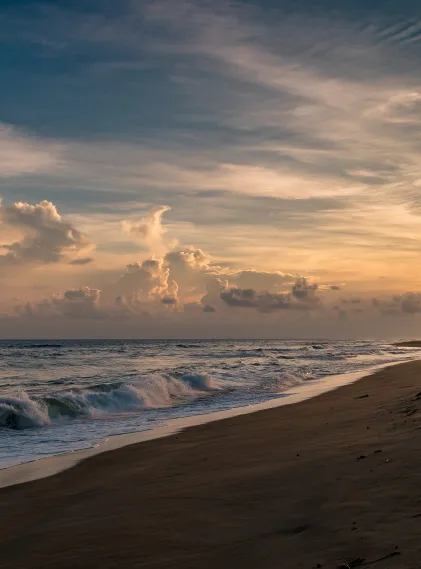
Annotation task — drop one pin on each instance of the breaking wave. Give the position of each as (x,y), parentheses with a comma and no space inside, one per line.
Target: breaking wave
(25,411)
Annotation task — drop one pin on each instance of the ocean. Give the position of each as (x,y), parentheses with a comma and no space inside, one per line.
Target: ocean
(61,396)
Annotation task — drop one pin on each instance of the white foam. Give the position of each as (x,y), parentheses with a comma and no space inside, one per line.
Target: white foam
(24,411)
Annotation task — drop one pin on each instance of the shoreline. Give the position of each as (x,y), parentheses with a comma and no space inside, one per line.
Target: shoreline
(54,464)
(324,482)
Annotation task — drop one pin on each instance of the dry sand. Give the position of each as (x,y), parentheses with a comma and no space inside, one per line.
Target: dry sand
(331,480)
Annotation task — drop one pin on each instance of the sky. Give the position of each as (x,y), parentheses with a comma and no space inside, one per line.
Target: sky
(201,169)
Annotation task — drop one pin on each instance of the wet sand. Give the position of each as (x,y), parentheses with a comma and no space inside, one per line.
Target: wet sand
(330,480)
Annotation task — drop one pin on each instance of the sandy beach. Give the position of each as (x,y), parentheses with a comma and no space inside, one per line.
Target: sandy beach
(335,479)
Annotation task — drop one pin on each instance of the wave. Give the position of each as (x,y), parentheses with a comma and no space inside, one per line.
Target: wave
(198,345)
(31,346)
(284,381)
(25,411)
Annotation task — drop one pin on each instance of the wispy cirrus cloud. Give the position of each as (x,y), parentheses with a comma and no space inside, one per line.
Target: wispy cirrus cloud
(266,111)
(22,153)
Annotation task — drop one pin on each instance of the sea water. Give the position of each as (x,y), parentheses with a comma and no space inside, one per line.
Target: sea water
(61,396)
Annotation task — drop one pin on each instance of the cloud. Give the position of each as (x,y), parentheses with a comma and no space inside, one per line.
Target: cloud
(190,268)
(45,236)
(387,307)
(249,298)
(150,229)
(170,296)
(178,273)
(182,275)
(186,263)
(303,297)
(145,280)
(74,303)
(411,302)
(212,298)
(21,153)
(147,302)
(261,280)
(292,107)
(169,300)
(407,303)
(305,292)
(182,285)
(82,261)
(187,259)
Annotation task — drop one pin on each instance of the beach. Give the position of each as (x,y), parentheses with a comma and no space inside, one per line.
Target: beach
(331,480)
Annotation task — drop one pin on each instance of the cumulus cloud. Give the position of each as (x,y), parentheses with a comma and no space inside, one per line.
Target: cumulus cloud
(303,296)
(261,280)
(182,274)
(411,302)
(305,292)
(187,258)
(182,285)
(212,299)
(387,307)
(190,268)
(150,229)
(187,263)
(169,279)
(407,303)
(45,237)
(249,298)
(146,280)
(74,303)
(194,271)
(170,297)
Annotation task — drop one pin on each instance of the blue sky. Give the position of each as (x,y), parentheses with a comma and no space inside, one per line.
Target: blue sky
(282,136)
(106,70)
